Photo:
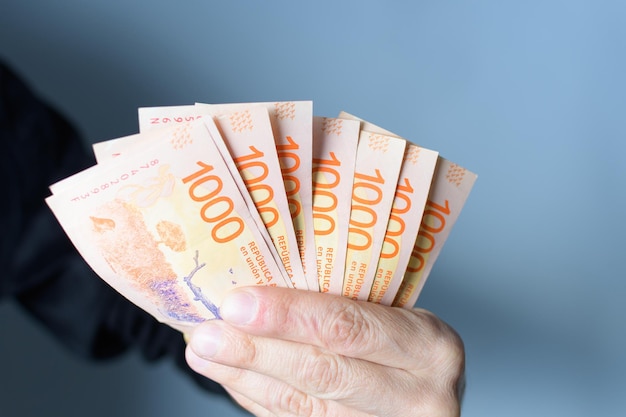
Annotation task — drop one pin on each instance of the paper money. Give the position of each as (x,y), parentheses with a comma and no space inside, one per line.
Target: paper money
(109,149)
(106,150)
(246,131)
(153,119)
(450,188)
(250,139)
(208,197)
(334,154)
(411,193)
(292,126)
(158,117)
(166,227)
(293,132)
(378,161)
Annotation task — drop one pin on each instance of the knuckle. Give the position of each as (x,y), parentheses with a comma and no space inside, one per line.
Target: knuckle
(322,373)
(450,351)
(347,329)
(453,368)
(446,360)
(446,347)
(294,402)
(245,352)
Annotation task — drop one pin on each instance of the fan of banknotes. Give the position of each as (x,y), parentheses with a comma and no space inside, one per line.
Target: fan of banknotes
(208,197)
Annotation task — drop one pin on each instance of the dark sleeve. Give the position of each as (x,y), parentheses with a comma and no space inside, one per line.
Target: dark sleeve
(41,270)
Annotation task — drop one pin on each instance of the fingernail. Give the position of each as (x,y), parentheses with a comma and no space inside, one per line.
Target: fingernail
(206,341)
(239,308)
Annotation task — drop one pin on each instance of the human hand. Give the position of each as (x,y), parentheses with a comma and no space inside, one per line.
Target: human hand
(284,352)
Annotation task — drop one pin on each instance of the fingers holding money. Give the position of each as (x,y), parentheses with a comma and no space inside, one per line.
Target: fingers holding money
(320,352)
(285,378)
(266,396)
(379,334)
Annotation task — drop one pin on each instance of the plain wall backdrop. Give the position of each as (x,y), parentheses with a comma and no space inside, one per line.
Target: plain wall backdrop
(529,95)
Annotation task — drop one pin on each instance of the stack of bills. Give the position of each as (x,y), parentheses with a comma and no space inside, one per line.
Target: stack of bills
(208,197)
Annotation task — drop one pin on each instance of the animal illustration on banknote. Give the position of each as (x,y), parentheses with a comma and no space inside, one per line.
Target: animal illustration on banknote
(122,236)
(133,252)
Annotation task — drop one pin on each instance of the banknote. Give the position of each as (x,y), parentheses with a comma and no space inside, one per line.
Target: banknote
(292,126)
(108,149)
(451,187)
(112,148)
(165,116)
(154,119)
(449,190)
(248,142)
(250,139)
(414,182)
(334,154)
(377,167)
(166,227)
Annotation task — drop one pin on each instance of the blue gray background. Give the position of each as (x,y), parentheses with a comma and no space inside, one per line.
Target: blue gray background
(529,95)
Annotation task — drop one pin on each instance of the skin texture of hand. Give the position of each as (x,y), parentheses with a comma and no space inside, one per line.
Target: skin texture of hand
(284,352)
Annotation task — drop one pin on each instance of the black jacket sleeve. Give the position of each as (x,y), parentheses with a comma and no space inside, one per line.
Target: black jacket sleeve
(41,270)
